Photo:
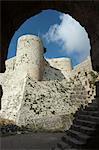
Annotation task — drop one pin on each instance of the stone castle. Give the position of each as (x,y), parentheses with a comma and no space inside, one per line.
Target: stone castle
(43,94)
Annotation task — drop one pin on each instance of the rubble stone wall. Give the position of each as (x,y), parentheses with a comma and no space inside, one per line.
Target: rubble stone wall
(84,73)
(43,101)
(48,104)
(54,99)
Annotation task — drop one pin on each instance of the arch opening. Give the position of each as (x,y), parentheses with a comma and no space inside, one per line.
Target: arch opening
(75,9)
(78,10)
(62,36)
(67,43)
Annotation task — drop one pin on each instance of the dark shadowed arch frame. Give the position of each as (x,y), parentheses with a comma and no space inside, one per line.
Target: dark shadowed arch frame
(14,13)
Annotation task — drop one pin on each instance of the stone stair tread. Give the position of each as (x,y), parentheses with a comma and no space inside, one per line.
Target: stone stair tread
(84,127)
(72,140)
(91,111)
(89,116)
(91,106)
(90,122)
(79,134)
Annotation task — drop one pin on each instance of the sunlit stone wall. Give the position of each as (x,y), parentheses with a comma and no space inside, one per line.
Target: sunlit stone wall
(49,103)
(63,64)
(86,75)
(29,57)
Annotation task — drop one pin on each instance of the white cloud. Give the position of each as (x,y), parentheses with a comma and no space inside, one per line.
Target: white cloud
(70,35)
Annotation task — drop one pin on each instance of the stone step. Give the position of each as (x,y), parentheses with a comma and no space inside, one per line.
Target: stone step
(88,117)
(84,123)
(77,135)
(85,112)
(83,129)
(91,108)
(73,142)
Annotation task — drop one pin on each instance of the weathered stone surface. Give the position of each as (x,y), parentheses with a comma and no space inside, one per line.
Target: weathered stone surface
(43,105)
(84,73)
(52,73)
(29,102)
(63,64)
(29,57)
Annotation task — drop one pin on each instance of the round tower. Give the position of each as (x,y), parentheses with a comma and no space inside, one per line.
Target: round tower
(29,57)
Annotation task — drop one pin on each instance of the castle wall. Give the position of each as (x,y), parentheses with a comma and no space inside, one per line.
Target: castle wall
(12,95)
(52,73)
(86,75)
(41,104)
(10,64)
(62,64)
(82,67)
(47,105)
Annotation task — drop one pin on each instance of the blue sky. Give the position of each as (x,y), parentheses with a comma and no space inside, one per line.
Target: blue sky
(61,34)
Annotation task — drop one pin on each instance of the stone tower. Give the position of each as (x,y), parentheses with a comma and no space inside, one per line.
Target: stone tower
(29,57)
(63,64)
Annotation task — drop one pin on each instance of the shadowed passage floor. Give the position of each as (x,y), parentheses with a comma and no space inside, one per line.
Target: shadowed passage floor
(34,141)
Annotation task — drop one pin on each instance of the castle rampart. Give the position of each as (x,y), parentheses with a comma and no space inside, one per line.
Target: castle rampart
(44,104)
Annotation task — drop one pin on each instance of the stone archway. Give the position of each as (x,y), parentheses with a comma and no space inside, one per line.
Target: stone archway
(15,13)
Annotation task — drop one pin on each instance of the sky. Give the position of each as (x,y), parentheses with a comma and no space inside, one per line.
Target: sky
(61,34)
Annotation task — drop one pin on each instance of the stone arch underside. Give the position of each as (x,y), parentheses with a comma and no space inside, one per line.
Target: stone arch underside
(13,14)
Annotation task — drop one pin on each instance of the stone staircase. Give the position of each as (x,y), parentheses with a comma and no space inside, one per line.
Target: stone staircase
(84,132)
